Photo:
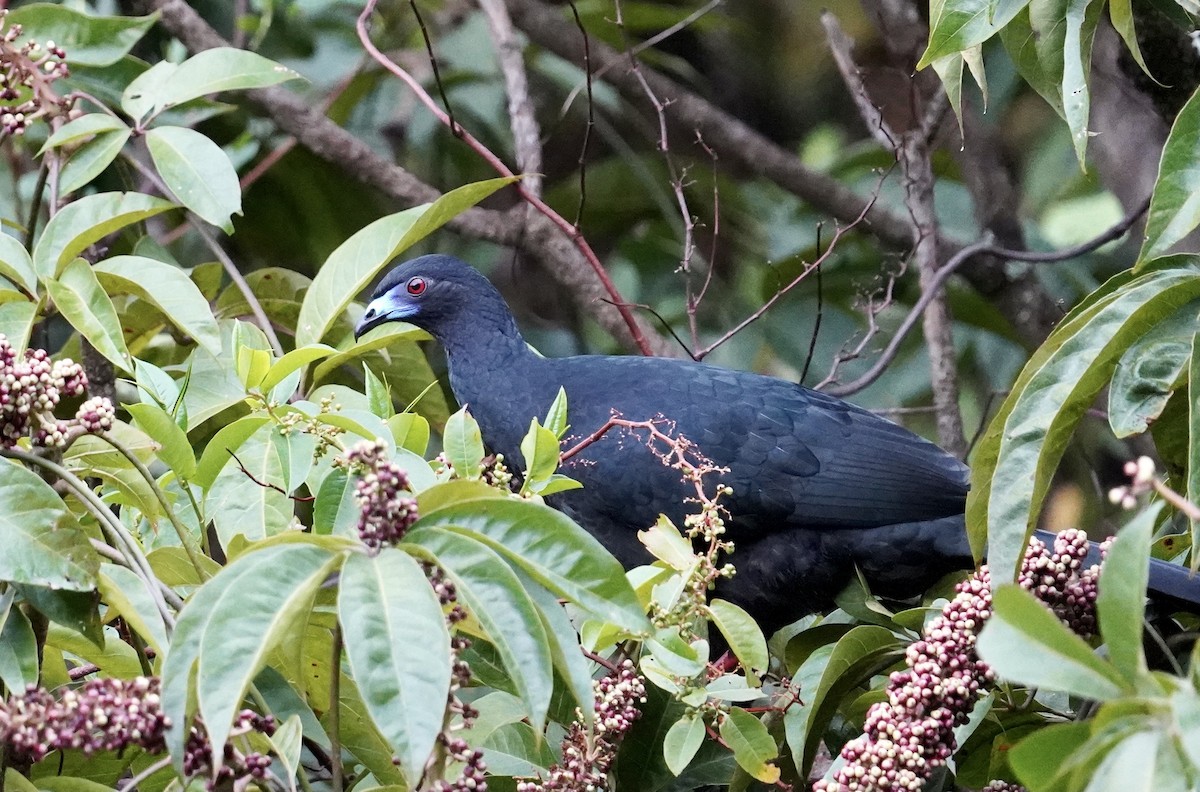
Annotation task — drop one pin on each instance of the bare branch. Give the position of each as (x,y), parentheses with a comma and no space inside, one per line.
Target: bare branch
(526,133)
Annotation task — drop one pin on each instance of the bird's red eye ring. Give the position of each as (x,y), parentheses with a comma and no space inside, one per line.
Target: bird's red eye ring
(416,286)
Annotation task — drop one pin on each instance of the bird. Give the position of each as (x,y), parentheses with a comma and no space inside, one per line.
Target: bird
(820,490)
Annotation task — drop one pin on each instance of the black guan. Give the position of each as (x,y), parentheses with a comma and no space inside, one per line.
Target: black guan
(819,486)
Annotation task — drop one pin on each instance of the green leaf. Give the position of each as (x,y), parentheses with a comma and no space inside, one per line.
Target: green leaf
(552,549)
(75,610)
(1082,16)
(1038,759)
(1149,371)
(293,361)
(463,444)
(252,614)
(380,338)
(1121,601)
(18,646)
(88,39)
(83,302)
(208,72)
(167,288)
(1193,462)
(1024,642)
(198,172)
(540,449)
(753,747)
(16,322)
(827,675)
(949,70)
(556,416)
(16,265)
(1120,12)
(360,258)
(174,447)
(229,438)
(87,220)
(515,749)
(1175,205)
(410,431)
(378,395)
(683,739)
(116,657)
(127,594)
(1124,769)
(83,127)
(1017,457)
(252,507)
(494,595)
(565,652)
(43,544)
(90,159)
(400,656)
(742,633)
(956,25)
(336,510)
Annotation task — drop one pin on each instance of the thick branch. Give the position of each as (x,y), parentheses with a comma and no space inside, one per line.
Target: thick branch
(526,134)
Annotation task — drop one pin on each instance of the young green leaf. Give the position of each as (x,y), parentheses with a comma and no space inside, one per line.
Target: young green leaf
(1025,642)
(16,265)
(18,646)
(556,416)
(91,40)
(378,395)
(956,25)
(463,444)
(400,655)
(745,639)
(295,360)
(540,449)
(410,431)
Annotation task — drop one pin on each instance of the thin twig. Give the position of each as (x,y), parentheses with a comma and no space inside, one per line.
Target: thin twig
(591,114)
(498,165)
(455,129)
(267,484)
(984,246)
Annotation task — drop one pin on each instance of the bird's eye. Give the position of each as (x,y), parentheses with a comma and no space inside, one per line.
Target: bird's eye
(416,286)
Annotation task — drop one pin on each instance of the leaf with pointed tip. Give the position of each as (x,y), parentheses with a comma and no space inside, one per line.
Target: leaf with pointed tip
(87,220)
(360,258)
(90,159)
(463,444)
(208,72)
(753,747)
(495,596)
(400,655)
(43,544)
(89,40)
(16,265)
(199,173)
(956,25)
(174,447)
(167,288)
(83,302)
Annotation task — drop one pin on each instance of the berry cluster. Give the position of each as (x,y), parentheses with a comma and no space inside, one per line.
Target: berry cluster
(31,387)
(382,492)
(473,777)
(115,715)
(906,737)
(27,72)
(587,756)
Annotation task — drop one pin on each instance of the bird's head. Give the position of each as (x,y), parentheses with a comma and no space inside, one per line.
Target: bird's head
(439,294)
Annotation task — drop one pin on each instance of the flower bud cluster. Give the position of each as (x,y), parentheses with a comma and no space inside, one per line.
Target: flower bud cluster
(235,765)
(1141,474)
(588,756)
(912,733)
(473,777)
(31,387)
(116,715)
(383,494)
(27,72)
(100,715)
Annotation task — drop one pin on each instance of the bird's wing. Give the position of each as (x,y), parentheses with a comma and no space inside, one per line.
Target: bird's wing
(796,457)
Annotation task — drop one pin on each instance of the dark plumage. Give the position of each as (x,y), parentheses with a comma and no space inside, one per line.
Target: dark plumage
(819,485)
